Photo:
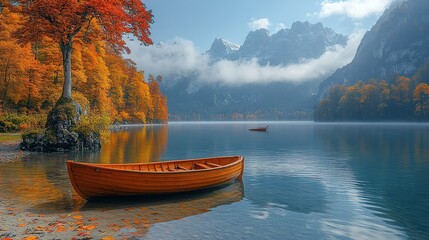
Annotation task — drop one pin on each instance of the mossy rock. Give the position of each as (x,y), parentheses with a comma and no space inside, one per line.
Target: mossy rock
(66,113)
(59,135)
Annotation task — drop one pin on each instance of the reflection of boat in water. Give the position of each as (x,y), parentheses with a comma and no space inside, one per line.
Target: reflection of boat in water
(99,180)
(173,207)
(259,129)
(142,211)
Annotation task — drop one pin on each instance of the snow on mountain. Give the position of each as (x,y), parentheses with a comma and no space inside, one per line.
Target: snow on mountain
(221,48)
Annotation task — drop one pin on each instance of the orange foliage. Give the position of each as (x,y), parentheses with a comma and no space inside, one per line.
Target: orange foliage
(159,101)
(30,74)
(61,20)
(421,97)
(403,99)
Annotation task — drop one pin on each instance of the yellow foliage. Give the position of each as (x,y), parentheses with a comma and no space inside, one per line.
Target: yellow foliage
(93,123)
(82,100)
(124,116)
(103,80)
(140,116)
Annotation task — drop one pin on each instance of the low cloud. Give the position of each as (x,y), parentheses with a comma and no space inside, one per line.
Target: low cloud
(175,59)
(256,24)
(179,59)
(356,9)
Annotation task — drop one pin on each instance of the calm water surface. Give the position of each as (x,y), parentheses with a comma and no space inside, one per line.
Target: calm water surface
(302,180)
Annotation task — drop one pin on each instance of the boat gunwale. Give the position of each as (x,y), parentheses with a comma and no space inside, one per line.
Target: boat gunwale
(239,160)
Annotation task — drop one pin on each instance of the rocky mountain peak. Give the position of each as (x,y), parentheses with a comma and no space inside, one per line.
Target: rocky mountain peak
(221,48)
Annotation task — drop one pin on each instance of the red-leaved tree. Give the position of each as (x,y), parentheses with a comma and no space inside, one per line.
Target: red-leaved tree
(63,20)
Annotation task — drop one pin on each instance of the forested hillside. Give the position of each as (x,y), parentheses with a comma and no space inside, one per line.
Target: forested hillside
(405,99)
(104,82)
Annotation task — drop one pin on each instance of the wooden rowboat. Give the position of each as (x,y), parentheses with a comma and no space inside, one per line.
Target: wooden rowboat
(99,180)
(259,129)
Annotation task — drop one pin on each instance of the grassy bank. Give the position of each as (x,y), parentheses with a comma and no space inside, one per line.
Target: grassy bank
(9,137)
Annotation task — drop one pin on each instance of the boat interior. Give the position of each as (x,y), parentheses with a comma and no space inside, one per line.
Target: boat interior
(175,166)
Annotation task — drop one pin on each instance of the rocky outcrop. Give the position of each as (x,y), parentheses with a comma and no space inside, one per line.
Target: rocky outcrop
(58,135)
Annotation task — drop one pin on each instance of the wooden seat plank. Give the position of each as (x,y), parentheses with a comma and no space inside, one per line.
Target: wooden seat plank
(183,168)
(202,165)
(213,164)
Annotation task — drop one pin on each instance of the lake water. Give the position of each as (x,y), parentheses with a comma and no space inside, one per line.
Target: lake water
(302,180)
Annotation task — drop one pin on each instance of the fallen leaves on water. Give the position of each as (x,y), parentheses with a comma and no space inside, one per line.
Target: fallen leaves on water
(108,238)
(114,227)
(81,234)
(30,238)
(61,228)
(39,228)
(77,217)
(89,227)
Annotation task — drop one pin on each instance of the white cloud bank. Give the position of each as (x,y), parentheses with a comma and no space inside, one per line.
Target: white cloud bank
(179,58)
(256,24)
(356,9)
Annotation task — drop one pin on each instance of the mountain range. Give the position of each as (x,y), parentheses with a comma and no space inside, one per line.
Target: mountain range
(273,101)
(302,41)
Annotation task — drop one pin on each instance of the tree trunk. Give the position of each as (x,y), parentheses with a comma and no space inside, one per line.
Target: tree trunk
(66,50)
(6,84)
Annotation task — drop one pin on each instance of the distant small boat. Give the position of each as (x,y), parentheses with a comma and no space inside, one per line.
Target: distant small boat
(259,129)
(91,180)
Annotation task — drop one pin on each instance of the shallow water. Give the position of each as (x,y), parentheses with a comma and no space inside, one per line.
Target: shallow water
(302,180)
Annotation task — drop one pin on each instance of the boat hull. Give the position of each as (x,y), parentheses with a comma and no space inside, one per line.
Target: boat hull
(100,180)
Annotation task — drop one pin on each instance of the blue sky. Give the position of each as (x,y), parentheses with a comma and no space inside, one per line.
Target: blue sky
(188,28)
(200,21)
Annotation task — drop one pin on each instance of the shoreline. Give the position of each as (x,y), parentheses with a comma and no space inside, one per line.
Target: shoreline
(10,152)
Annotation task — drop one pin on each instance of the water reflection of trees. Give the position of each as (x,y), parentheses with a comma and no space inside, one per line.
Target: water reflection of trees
(390,161)
(35,179)
(131,144)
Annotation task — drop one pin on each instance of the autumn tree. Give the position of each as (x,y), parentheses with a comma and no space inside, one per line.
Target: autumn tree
(18,69)
(159,101)
(63,20)
(68,21)
(384,97)
(136,94)
(421,98)
(402,98)
(350,103)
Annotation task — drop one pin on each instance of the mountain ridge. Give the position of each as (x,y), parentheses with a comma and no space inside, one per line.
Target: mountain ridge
(303,40)
(395,45)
